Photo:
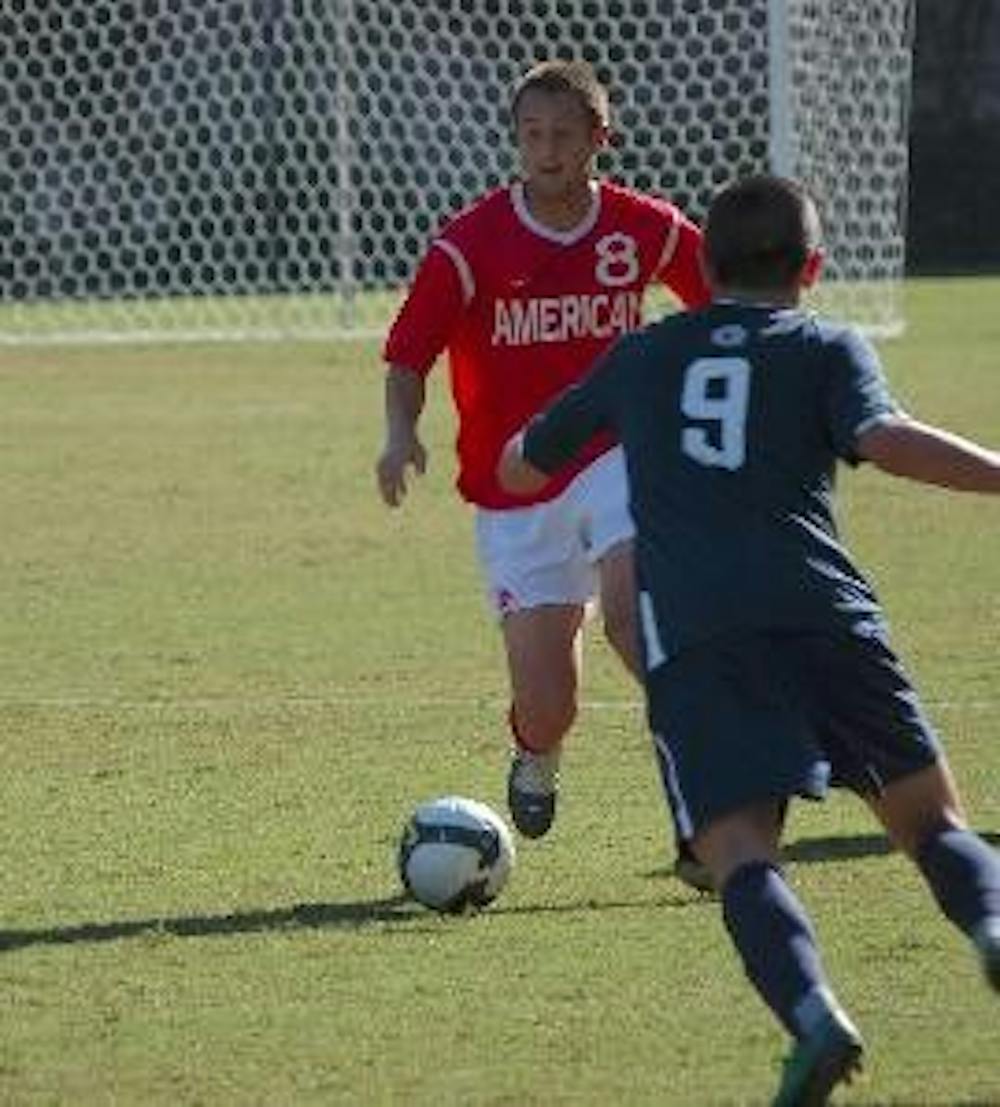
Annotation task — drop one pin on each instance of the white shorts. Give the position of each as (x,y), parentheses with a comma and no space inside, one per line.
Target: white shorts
(547,553)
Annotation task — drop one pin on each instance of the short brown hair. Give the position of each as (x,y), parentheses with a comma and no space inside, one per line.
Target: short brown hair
(760,231)
(574,77)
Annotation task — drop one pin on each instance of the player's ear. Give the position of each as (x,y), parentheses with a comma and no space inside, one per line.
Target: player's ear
(812,269)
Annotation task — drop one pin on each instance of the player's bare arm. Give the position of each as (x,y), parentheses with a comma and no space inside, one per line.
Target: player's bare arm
(404,401)
(906,448)
(517,475)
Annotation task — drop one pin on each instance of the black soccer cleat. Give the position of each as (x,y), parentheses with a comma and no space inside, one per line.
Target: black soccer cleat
(532,786)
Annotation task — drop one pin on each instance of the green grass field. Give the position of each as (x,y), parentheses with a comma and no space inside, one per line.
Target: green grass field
(227,674)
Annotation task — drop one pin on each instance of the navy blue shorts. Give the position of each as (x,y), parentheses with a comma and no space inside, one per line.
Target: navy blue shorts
(767,716)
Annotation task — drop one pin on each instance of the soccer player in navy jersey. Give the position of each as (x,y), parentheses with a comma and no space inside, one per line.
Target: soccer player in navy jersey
(768,669)
(523,289)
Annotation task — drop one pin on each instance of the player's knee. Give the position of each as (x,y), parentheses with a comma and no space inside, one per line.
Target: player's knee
(916,807)
(911,835)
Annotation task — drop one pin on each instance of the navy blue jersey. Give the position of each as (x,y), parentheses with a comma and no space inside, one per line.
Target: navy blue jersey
(732,419)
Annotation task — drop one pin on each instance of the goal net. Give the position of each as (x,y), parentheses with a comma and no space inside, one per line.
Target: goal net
(274,168)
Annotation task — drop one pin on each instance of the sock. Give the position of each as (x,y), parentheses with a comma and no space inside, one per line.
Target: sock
(963,872)
(771,930)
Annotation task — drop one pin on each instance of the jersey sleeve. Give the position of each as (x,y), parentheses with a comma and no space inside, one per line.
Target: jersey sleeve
(858,396)
(436,300)
(556,435)
(680,267)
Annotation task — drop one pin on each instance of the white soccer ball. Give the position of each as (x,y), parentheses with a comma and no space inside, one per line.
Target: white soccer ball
(455,854)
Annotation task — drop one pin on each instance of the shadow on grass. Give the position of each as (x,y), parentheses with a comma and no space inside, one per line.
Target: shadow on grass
(391,910)
(319,916)
(842,847)
(848,847)
(361,913)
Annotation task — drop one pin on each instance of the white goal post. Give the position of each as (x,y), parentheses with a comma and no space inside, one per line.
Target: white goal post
(182,170)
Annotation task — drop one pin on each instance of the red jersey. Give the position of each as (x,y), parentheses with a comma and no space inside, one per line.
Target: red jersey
(523,310)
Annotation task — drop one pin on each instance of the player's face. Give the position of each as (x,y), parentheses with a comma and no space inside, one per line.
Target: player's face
(557,141)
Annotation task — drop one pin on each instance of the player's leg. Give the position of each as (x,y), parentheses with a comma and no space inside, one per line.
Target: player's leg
(616,570)
(917,805)
(922,813)
(539,582)
(604,505)
(616,575)
(766,922)
(732,744)
(600,495)
(543,660)
(882,742)
(774,937)
(543,646)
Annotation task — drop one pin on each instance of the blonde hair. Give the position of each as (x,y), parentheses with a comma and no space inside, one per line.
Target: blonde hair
(574,77)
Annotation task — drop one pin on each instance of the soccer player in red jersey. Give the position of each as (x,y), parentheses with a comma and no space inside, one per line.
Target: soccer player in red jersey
(524,289)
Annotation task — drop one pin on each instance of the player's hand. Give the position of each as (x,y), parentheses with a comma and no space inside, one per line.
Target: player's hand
(390,469)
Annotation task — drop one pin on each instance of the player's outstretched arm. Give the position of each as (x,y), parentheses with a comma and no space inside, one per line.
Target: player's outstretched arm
(517,475)
(404,401)
(906,448)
